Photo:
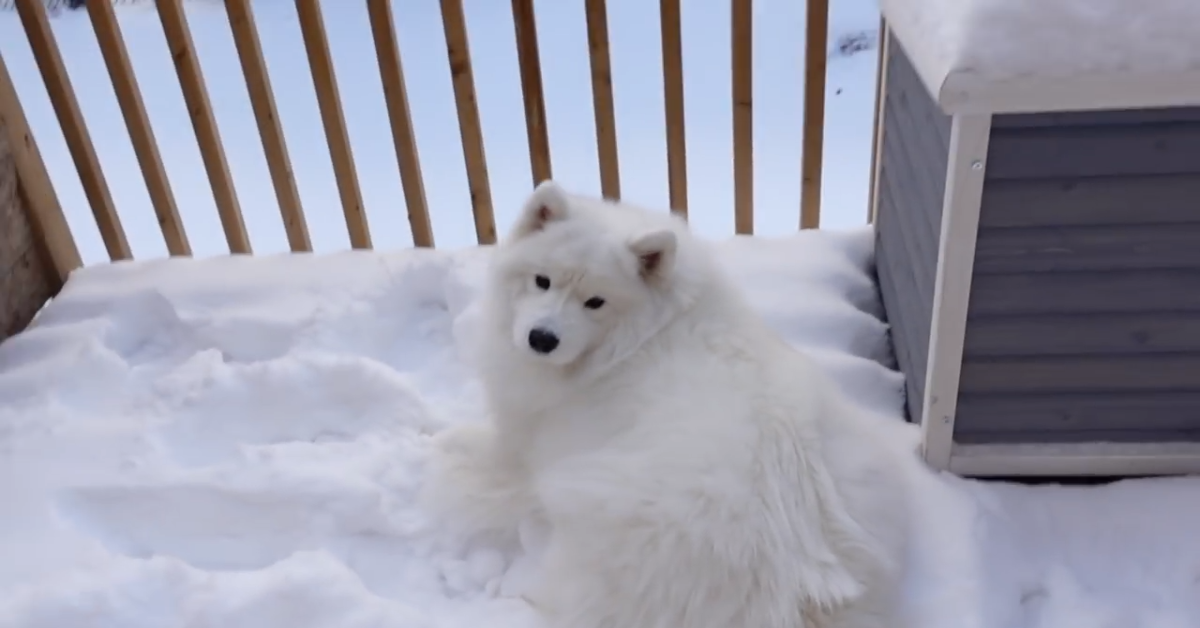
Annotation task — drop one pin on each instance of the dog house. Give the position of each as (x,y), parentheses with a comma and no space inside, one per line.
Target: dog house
(1037,208)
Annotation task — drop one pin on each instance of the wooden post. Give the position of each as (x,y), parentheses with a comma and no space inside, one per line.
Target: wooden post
(70,119)
(391,73)
(602,98)
(204,124)
(743,117)
(262,101)
(672,54)
(459,54)
(816,43)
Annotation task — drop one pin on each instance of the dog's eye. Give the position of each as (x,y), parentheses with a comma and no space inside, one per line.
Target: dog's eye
(593,303)
(542,282)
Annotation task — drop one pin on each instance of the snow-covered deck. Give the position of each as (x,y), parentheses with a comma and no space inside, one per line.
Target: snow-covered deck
(237,442)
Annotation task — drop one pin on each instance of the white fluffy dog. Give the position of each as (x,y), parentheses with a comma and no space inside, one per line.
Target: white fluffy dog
(693,469)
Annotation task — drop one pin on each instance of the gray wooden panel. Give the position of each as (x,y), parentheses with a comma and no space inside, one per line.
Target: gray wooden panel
(1099,150)
(1150,199)
(906,85)
(1078,413)
(1166,372)
(1084,319)
(1094,248)
(908,358)
(909,239)
(1099,117)
(907,305)
(928,127)
(1148,291)
(899,282)
(1082,334)
(1130,435)
(912,175)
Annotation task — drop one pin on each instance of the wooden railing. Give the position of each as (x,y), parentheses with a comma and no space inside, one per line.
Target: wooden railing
(51,225)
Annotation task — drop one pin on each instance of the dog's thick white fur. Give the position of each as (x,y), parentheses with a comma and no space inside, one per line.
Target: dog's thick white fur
(694,470)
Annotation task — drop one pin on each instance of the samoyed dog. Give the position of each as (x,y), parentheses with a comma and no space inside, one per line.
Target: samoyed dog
(692,469)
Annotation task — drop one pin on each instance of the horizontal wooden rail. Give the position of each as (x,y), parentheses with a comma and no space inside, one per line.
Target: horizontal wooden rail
(36,183)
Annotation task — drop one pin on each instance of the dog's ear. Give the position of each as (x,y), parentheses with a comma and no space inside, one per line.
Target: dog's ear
(546,204)
(655,252)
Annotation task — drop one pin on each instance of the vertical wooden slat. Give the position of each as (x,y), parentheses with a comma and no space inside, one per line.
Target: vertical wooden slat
(455,25)
(262,101)
(391,73)
(602,98)
(816,41)
(672,54)
(316,45)
(877,124)
(70,119)
(208,138)
(743,117)
(35,184)
(531,89)
(141,135)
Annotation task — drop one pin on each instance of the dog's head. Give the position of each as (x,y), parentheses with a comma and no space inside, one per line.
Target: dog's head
(582,280)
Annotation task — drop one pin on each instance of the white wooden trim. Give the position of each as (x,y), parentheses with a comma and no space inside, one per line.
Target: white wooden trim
(1076,459)
(880,119)
(969,136)
(962,92)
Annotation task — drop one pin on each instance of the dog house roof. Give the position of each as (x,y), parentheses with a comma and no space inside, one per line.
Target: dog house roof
(1013,56)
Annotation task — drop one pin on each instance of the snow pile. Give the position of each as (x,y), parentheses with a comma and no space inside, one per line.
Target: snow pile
(237,442)
(984,53)
(1069,37)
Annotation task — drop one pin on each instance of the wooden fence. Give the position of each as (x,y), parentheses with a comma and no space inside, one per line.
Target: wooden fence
(47,216)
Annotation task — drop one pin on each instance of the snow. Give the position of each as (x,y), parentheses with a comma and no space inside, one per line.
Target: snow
(1018,55)
(215,439)
(237,441)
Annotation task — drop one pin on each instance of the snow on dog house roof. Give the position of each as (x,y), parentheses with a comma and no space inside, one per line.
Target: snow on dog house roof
(1017,56)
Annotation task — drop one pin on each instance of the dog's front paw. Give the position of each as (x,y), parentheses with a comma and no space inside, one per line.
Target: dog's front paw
(472,487)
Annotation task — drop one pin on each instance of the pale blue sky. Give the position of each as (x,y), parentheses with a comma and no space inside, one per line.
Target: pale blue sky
(636,60)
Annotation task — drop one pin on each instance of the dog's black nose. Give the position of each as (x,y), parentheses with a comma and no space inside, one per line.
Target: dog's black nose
(542,341)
